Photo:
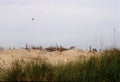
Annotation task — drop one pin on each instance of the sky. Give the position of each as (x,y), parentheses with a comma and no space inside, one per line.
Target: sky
(68,23)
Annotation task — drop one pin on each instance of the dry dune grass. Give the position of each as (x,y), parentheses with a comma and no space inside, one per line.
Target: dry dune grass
(103,69)
(55,57)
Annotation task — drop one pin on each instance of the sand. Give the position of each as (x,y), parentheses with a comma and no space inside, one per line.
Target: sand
(8,56)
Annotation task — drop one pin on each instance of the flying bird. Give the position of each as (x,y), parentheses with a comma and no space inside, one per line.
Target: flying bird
(33,19)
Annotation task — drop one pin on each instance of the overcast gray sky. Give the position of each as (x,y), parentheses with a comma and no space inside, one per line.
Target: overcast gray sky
(65,22)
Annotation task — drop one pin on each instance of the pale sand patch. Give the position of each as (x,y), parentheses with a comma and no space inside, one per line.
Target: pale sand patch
(56,57)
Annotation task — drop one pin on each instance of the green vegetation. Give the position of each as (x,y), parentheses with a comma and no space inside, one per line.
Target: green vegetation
(106,68)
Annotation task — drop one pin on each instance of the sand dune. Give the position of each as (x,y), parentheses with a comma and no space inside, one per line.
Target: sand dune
(56,57)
